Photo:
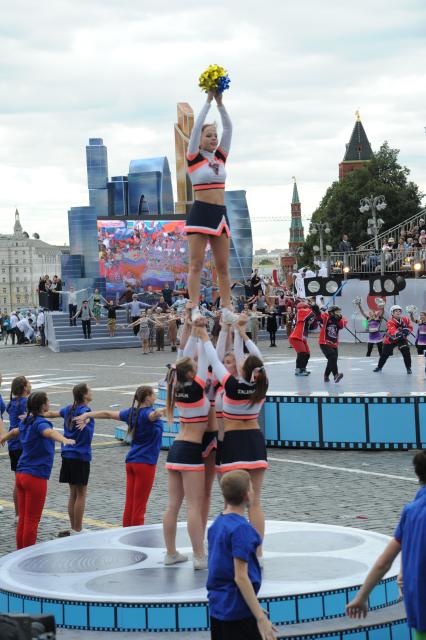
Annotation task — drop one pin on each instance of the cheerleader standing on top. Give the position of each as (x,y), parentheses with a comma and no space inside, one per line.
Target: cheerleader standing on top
(34,466)
(145,432)
(186,382)
(398,328)
(75,468)
(207,219)
(332,322)
(243,445)
(374,321)
(17,406)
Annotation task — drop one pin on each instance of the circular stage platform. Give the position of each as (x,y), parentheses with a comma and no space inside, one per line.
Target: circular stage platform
(114,580)
(366,410)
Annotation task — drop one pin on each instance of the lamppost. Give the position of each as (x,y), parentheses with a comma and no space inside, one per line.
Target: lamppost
(373,204)
(321,228)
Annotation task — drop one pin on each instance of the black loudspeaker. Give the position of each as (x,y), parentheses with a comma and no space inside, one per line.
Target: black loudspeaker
(389,285)
(323,286)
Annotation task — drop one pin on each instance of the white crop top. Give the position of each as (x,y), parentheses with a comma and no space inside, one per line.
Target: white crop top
(207,169)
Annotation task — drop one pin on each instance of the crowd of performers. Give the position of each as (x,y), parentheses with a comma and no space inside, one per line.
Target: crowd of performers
(217,392)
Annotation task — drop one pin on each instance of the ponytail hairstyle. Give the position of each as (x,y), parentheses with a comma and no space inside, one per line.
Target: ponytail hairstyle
(176,377)
(78,392)
(419,464)
(141,394)
(17,388)
(34,404)
(253,370)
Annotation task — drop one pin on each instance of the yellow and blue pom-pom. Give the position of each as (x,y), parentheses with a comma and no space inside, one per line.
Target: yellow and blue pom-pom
(214,78)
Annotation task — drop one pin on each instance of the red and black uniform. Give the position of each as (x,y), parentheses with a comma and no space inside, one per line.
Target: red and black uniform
(299,336)
(331,324)
(397,331)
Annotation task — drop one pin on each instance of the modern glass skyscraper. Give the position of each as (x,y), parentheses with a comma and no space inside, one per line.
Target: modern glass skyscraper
(240,260)
(150,187)
(118,189)
(97,175)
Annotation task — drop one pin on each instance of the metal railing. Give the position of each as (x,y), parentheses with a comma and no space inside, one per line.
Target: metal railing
(371,261)
(418,220)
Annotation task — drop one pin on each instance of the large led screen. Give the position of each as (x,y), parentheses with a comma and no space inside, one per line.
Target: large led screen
(145,253)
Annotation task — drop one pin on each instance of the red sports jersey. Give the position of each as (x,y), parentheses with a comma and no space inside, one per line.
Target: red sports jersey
(330,328)
(395,326)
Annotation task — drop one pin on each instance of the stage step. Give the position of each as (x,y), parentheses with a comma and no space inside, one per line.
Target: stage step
(62,337)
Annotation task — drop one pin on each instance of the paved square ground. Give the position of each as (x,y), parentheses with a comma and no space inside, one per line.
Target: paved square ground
(357,489)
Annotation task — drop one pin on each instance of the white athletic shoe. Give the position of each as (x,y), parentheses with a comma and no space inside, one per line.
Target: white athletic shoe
(195,314)
(200,563)
(176,558)
(77,533)
(228,316)
(1,508)
(16,519)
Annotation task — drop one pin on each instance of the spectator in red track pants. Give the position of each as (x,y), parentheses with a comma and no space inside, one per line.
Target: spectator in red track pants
(145,431)
(34,466)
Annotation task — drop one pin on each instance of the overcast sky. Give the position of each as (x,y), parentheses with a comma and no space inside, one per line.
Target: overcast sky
(74,69)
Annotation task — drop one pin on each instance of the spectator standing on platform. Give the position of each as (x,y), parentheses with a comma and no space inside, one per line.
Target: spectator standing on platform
(172,330)
(167,294)
(256,283)
(112,317)
(135,307)
(127,298)
(72,302)
(409,540)
(234,574)
(180,304)
(159,332)
(86,315)
(345,245)
(97,305)
(162,304)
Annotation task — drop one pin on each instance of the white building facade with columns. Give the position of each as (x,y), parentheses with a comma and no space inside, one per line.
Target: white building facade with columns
(22,261)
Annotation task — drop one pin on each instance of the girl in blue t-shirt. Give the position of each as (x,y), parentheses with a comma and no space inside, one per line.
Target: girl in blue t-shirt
(17,406)
(145,432)
(75,469)
(34,466)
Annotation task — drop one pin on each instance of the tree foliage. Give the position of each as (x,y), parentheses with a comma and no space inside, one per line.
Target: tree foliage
(383,175)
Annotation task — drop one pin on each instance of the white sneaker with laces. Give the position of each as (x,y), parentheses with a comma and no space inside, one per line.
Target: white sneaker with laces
(77,533)
(228,316)
(200,563)
(174,559)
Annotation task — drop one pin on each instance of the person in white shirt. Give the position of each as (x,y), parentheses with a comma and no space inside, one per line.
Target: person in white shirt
(14,319)
(135,307)
(25,330)
(72,303)
(40,327)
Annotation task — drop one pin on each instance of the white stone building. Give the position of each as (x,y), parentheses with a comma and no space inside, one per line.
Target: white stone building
(22,261)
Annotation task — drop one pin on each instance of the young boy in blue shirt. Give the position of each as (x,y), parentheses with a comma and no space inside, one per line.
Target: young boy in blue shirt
(234,575)
(409,539)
